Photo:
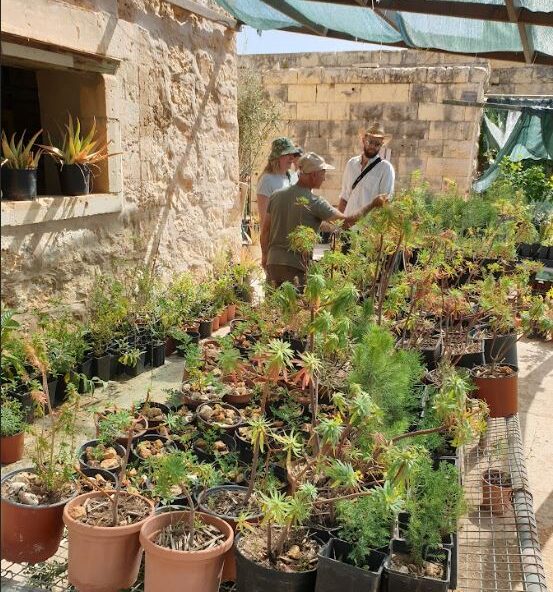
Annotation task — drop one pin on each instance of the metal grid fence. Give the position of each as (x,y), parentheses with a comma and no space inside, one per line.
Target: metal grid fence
(496,553)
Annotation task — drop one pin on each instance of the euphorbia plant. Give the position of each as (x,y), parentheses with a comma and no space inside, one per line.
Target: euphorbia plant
(180,470)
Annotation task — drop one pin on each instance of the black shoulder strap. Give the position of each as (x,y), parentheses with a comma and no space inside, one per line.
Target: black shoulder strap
(366,170)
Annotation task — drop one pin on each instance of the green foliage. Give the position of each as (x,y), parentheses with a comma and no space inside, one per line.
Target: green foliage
(435,504)
(387,375)
(302,240)
(258,118)
(366,522)
(15,155)
(13,418)
(535,184)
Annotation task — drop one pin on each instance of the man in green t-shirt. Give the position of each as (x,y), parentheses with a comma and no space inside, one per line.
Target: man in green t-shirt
(298,206)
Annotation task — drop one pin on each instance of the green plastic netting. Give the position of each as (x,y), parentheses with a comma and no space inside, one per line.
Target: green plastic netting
(423,31)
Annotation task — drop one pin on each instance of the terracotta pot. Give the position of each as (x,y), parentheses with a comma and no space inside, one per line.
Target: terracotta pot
(229,568)
(30,534)
(215,323)
(11,448)
(223,318)
(101,558)
(496,491)
(176,571)
(501,394)
(231,312)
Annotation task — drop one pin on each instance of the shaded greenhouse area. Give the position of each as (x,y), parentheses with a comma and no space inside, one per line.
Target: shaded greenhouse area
(276,321)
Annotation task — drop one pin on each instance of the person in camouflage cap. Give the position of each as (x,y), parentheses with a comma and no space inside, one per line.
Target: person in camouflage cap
(278,173)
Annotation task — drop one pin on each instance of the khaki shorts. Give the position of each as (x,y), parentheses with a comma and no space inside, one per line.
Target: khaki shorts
(278,274)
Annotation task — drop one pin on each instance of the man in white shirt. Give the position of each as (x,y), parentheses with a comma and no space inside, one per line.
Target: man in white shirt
(378,174)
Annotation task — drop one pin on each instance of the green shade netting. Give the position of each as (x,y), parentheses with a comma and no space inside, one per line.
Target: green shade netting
(531,138)
(423,31)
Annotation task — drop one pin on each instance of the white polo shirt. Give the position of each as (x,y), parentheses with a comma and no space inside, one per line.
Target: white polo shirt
(379,180)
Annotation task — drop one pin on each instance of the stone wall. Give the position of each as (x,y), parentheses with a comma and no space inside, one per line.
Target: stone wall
(327,97)
(169,107)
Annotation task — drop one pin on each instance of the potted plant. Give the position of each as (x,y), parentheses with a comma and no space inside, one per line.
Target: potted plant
(279,553)
(497,489)
(184,550)
(19,167)
(103,527)
(12,431)
(33,499)
(76,158)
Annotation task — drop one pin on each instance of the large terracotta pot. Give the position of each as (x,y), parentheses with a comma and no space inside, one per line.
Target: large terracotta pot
(223,318)
(100,558)
(30,534)
(178,571)
(215,323)
(11,448)
(501,394)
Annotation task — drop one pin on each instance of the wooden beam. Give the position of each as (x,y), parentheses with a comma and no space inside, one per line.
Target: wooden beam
(385,15)
(207,13)
(285,8)
(525,39)
(468,10)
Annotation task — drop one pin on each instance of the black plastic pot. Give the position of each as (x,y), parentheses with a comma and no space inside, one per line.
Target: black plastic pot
(60,390)
(52,388)
(252,577)
(107,475)
(453,547)
(205,329)
(194,336)
(334,573)
(245,449)
(503,345)
(82,463)
(431,356)
(152,424)
(207,455)
(74,179)
(158,354)
(204,495)
(396,581)
(18,184)
(166,441)
(86,367)
(102,367)
(138,368)
(27,405)
(470,360)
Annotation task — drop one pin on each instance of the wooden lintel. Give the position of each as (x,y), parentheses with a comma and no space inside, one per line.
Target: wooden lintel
(205,12)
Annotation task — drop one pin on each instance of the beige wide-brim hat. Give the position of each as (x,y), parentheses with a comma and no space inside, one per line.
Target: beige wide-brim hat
(376,130)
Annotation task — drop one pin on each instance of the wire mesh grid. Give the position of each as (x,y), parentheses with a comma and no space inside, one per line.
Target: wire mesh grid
(498,541)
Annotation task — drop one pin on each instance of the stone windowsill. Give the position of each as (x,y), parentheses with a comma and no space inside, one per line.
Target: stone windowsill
(46,209)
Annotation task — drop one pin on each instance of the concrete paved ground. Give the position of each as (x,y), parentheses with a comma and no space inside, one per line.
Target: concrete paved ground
(536,421)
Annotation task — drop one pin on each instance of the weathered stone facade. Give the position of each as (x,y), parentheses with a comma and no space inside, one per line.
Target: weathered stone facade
(327,97)
(170,109)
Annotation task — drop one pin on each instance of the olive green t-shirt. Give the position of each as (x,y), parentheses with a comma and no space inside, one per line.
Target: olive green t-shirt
(287,214)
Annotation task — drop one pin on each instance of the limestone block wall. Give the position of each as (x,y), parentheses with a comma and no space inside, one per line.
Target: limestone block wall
(326,101)
(171,111)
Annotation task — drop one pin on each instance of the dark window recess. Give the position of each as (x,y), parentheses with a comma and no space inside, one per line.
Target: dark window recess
(21,110)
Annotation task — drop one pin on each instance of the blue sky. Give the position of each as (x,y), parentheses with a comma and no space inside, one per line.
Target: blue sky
(249,42)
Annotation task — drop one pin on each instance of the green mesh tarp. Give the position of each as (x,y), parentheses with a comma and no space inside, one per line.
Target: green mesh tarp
(531,138)
(454,34)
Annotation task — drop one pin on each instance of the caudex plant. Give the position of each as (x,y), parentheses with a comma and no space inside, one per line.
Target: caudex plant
(176,475)
(111,427)
(285,545)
